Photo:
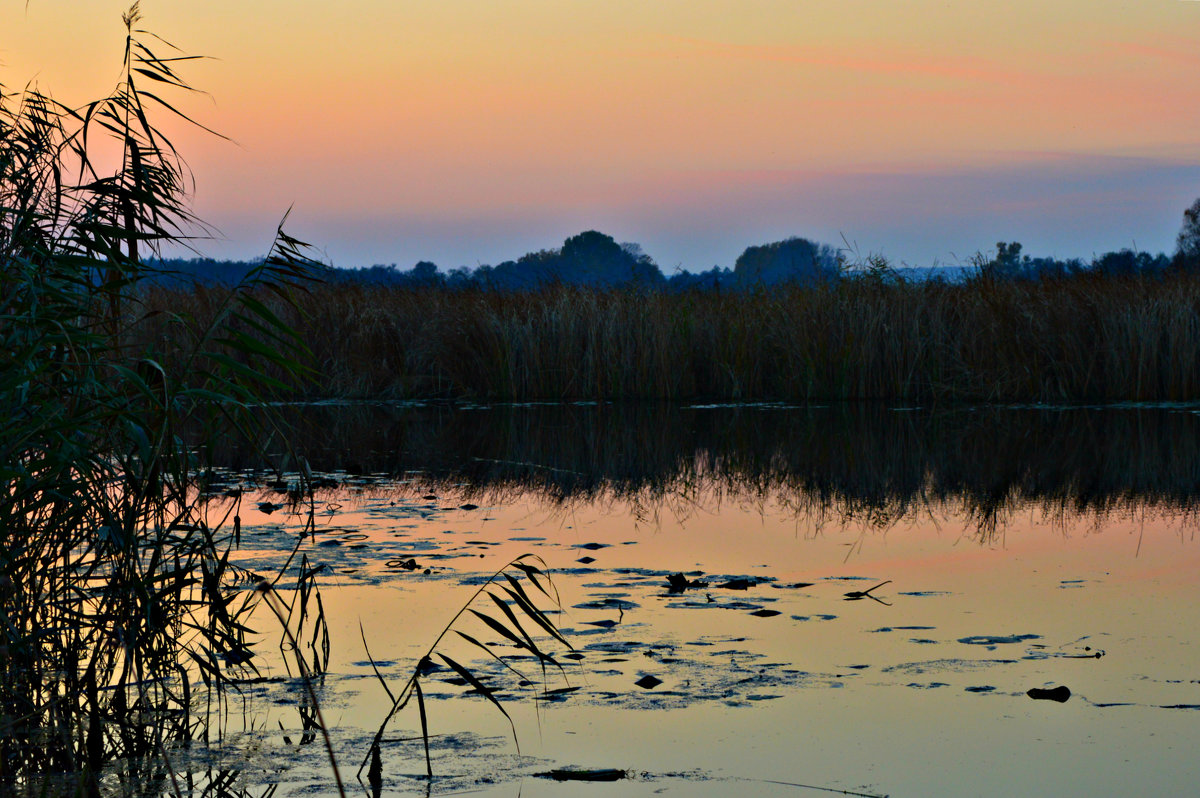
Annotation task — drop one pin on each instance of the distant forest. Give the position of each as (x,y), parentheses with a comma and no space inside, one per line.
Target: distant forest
(595,260)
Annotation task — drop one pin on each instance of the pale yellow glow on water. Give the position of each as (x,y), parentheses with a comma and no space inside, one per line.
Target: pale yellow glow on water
(921,695)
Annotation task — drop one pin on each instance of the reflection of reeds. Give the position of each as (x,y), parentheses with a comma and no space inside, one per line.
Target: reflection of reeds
(863,460)
(1091,338)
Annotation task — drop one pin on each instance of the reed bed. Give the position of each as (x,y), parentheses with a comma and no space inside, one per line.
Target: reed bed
(1089,338)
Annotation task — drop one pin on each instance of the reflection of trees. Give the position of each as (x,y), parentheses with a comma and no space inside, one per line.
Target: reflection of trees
(864,463)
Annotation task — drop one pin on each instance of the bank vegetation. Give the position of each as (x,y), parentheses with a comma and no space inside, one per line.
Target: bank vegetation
(1083,338)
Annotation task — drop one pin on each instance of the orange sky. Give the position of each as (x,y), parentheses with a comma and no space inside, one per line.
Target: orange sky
(467,131)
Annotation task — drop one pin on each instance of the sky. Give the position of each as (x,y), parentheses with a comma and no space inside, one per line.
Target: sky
(472,131)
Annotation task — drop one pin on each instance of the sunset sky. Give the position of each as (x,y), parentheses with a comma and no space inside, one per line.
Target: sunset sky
(472,131)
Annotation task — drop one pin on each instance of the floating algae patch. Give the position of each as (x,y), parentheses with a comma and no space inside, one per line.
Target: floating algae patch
(298,765)
(902,629)
(948,665)
(611,601)
(992,641)
(1077,649)
(714,605)
(632,674)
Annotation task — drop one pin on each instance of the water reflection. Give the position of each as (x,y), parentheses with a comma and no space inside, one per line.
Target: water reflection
(865,461)
(743,632)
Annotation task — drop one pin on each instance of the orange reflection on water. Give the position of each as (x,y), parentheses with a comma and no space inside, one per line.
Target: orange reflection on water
(920,693)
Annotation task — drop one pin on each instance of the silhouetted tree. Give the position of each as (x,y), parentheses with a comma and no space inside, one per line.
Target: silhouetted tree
(593,258)
(531,270)
(459,279)
(424,274)
(1010,264)
(1004,265)
(1127,263)
(715,279)
(791,260)
(1187,245)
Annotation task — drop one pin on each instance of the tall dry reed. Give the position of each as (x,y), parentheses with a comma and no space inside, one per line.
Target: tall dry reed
(1082,339)
(124,624)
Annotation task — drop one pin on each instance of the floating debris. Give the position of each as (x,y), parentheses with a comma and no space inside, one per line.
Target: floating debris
(607,623)
(602,774)
(677,583)
(1059,694)
(902,628)
(648,682)
(859,595)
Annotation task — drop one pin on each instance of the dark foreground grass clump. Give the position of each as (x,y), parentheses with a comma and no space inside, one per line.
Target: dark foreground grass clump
(118,601)
(125,624)
(1087,338)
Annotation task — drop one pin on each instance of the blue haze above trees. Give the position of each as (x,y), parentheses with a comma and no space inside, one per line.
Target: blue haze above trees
(595,260)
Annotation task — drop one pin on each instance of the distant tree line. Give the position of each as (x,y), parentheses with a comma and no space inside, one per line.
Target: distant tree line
(596,260)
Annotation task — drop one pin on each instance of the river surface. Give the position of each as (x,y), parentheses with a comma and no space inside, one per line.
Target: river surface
(757,600)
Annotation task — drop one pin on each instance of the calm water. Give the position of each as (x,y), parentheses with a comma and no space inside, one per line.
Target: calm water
(1017,549)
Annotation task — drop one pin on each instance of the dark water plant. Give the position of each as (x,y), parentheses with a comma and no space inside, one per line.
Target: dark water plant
(117,595)
(124,619)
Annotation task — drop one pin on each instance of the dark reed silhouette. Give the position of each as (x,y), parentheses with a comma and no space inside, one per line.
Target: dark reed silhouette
(124,625)
(118,603)
(1089,338)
